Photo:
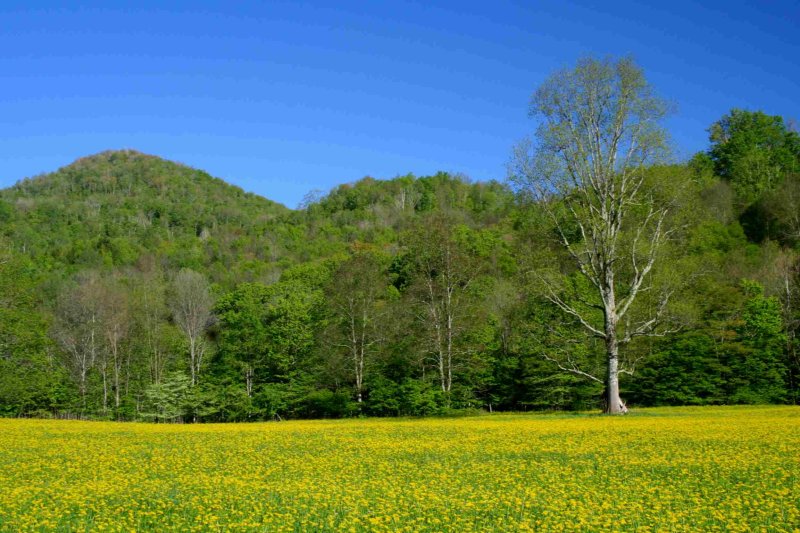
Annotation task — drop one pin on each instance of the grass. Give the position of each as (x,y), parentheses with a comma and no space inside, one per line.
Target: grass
(676,469)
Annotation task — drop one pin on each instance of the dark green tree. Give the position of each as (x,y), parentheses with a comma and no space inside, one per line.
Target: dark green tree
(29,378)
(758,367)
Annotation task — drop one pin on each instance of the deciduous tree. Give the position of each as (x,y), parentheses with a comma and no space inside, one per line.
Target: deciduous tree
(191,308)
(443,269)
(753,151)
(355,298)
(599,130)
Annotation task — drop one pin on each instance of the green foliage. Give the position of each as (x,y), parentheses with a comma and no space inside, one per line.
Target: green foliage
(116,227)
(753,151)
(28,379)
(169,400)
(735,356)
(687,370)
(776,215)
(758,367)
(325,403)
(112,209)
(266,331)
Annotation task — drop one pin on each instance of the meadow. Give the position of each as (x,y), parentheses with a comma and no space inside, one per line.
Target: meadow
(676,469)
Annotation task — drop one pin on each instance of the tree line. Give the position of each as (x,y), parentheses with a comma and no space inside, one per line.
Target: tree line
(601,274)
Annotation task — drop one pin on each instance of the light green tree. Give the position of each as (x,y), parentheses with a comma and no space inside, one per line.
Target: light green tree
(599,130)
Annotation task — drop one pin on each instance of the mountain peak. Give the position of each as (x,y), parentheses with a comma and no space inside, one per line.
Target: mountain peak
(114,155)
(118,206)
(130,173)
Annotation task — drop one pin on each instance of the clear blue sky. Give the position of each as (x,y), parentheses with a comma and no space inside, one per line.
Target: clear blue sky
(282,98)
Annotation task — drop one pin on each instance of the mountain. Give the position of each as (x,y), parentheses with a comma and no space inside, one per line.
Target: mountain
(116,208)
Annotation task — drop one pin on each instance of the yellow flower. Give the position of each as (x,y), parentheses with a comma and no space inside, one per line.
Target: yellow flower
(679,469)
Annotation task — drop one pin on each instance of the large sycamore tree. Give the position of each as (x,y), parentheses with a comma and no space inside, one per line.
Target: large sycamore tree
(587,169)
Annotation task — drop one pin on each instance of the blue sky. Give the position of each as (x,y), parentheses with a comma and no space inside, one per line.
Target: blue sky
(282,98)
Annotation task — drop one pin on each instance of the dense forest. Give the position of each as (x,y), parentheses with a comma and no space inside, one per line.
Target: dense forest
(136,288)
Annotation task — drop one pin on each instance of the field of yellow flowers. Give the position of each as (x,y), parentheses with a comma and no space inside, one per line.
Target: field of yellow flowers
(679,469)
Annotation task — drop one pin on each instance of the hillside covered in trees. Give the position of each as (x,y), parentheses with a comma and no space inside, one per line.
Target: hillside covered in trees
(137,288)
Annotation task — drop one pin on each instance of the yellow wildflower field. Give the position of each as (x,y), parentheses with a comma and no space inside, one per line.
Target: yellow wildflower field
(677,469)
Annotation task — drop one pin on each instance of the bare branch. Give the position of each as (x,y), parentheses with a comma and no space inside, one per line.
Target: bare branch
(573,368)
(553,297)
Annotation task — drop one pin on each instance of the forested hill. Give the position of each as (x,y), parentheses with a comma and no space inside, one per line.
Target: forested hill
(136,288)
(115,208)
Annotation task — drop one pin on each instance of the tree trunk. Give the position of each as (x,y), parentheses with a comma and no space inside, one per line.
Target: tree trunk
(117,371)
(449,377)
(105,387)
(82,387)
(614,404)
(248,378)
(360,375)
(192,361)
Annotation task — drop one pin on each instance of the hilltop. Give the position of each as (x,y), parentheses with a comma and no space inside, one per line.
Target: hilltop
(115,208)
